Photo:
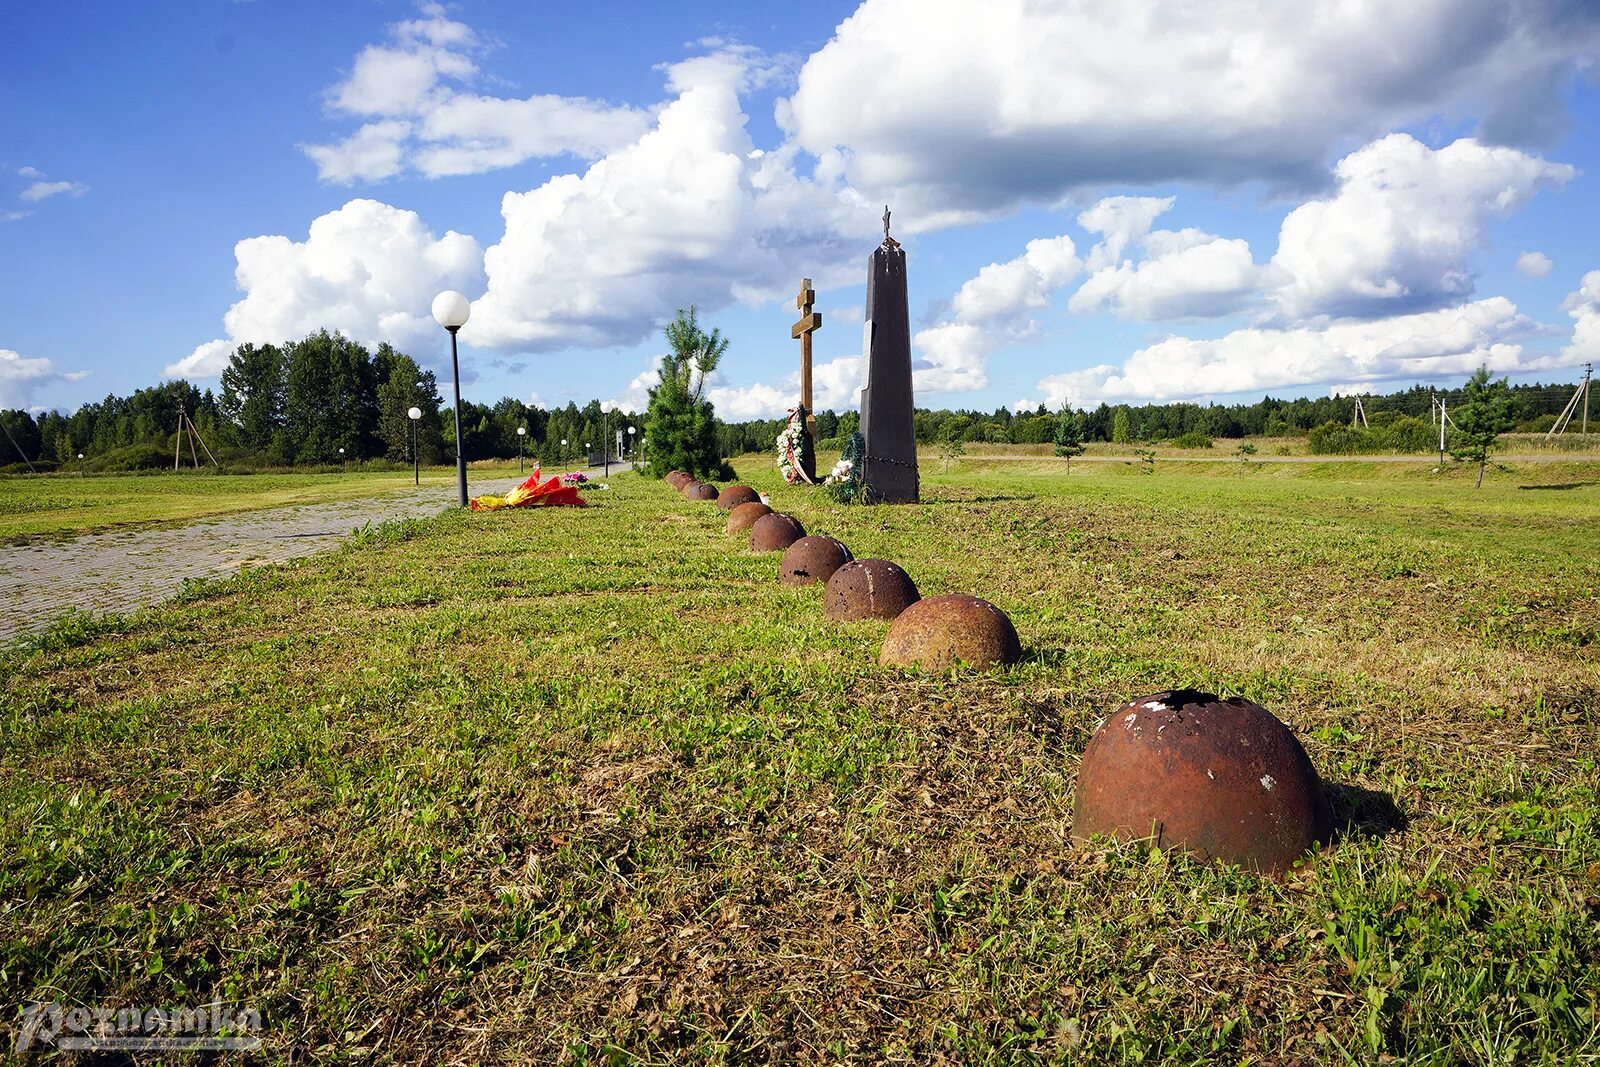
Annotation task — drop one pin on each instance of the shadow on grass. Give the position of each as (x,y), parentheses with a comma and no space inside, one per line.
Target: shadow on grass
(1559,485)
(992,498)
(1359,812)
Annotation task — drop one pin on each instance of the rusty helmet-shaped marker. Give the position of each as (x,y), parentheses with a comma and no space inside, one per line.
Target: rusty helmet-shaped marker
(734,495)
(1222,779)
(744,516)
(812,559)
(701,491)
(678,479)
(936,632)
(775,532)
(868,589)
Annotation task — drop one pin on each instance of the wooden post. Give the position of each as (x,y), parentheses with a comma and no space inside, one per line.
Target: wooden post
(810,322)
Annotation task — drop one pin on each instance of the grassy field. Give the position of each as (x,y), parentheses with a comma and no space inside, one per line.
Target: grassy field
(592,787)
(64,505)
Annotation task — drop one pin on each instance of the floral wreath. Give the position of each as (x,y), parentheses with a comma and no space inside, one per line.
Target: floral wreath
(794,447)
(845,482)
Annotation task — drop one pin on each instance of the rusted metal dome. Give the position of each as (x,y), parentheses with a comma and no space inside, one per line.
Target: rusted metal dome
(1223,779)
(775,532)
(940,630)
(678,479)
(701,491)
(868,589)
(812,559)
(744,516)
(734,495)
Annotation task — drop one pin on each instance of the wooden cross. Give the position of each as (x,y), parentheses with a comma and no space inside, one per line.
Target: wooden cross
(810,322)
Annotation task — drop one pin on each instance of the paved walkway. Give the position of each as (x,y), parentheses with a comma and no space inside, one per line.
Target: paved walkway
(123,570)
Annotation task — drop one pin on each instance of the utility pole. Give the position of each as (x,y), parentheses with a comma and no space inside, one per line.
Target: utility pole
(1444,419)
(186,425)
(1580,397)
(1360,417)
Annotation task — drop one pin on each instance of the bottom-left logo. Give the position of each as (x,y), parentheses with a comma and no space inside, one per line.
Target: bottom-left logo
(106,1029)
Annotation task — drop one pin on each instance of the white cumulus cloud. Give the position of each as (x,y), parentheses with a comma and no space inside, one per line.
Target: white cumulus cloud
(954,110)
(1185,274)
(1584,306)
(367,269)
(1534,264)
(689,213)
(991,310)
(45,190)
(21,376)
(1396,235)
(1430,344)
(412,91)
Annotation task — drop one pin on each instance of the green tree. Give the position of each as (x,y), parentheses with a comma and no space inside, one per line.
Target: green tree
(403,385)
(22,441)
(1487,410)
(253,393)
(1121,431)
(681,427)
(331,399)
(1068,436)
(696,352)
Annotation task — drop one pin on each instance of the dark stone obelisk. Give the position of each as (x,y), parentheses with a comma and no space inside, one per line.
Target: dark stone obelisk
(889,468)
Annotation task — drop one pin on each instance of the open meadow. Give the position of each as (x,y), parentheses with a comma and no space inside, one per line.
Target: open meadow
(32,508)
(591,786)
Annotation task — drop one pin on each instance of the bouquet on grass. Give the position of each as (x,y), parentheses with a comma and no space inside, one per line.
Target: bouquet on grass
(554,492)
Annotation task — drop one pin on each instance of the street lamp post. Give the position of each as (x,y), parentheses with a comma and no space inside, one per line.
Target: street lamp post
(632,446)
(563,450)
(522,435)
(451,310)
(605,433)
(414,414)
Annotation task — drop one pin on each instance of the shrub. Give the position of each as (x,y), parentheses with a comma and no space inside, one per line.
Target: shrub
(1337,439)
(1192,439)
(145,457)
(1404,433)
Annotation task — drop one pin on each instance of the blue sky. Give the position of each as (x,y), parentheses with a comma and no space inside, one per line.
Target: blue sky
(1129,201)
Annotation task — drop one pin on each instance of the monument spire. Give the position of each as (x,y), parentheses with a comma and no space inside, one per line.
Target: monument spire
(889,465)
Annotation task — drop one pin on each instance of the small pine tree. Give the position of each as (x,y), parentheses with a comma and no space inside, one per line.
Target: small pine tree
(950,446)
(680,426)
(1487,410)
(1121,431)
(1068,436)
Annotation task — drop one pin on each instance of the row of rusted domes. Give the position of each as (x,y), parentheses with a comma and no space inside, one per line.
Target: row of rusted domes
(1223,779)
(936,632)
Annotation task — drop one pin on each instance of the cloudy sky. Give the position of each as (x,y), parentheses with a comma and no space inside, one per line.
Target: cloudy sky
(1118,200)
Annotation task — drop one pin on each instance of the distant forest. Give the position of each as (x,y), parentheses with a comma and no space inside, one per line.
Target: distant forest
(299,404)
(321,401)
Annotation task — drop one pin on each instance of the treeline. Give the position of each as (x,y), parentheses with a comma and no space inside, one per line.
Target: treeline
(301,403)
(1537,407)
(320,401)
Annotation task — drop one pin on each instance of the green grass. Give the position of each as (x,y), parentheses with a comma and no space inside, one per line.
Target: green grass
(65,505)
(591,787)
